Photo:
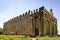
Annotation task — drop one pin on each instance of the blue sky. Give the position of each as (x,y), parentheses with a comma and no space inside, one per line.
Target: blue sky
(12,8)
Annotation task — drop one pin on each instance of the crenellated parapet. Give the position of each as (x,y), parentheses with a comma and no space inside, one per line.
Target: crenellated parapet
(33,12)
(30,21)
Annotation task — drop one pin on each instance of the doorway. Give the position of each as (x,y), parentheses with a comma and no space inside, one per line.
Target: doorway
(16,32)
(36,32)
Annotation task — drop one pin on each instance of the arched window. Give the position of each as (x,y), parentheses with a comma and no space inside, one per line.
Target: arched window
(52,29)
(47,27)
(55,29)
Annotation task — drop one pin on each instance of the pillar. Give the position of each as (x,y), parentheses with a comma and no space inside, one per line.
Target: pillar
(50,28)
(54,29)
(44,26)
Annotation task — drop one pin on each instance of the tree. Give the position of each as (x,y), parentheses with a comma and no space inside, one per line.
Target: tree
(1,31)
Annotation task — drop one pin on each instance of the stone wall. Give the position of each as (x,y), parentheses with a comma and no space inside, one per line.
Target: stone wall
(26,24)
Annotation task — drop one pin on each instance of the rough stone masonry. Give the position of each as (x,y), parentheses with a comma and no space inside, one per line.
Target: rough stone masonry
(39,22)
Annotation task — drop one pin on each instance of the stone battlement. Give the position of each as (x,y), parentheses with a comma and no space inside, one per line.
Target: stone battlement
(33,23)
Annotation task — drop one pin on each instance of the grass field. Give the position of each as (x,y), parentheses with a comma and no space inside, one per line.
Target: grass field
(47,38)
(7,37)
(10,37)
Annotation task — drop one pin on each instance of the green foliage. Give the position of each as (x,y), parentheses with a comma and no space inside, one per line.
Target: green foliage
(1,29)
(47,38)
(10,37)
(18,37)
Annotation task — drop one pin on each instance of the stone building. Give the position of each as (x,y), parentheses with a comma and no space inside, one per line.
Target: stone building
(33,23)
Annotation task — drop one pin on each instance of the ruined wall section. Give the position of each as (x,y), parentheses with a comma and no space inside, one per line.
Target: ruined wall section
(26,23)
(19,25)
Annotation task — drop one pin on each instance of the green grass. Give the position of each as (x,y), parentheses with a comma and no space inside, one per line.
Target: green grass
(47,38)
(18,37)
(7,37)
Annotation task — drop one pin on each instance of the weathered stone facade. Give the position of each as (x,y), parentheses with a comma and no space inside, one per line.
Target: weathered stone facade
(33,23)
